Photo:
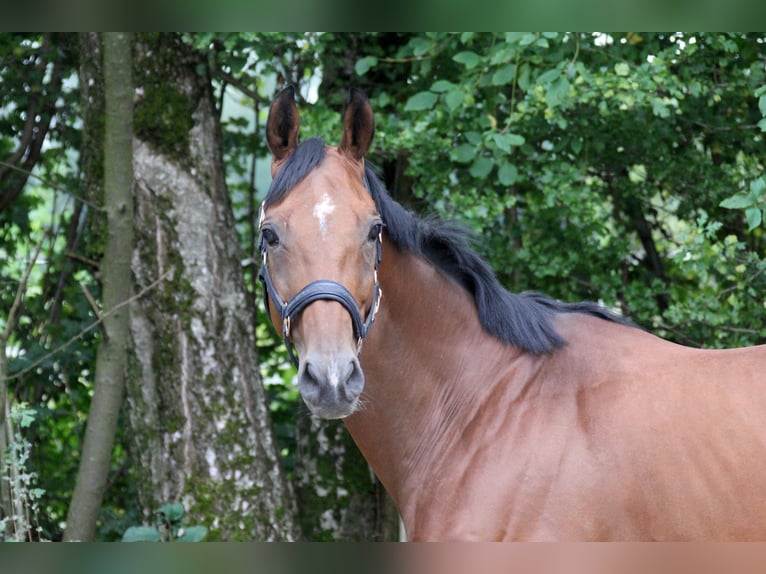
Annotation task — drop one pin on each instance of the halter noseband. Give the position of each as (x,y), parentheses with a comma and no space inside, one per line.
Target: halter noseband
(322,289)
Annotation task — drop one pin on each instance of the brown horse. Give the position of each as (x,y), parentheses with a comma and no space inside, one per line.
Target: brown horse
(490,415)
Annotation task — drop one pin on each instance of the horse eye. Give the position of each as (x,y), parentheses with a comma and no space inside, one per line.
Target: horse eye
(271,238)
(375,231)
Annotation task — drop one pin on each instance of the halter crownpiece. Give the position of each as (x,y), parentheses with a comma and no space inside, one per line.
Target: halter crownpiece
(322,289)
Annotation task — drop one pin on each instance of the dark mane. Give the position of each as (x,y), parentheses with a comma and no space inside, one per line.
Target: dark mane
(523,320)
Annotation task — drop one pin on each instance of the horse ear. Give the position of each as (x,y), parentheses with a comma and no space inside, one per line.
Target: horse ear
(282,125)
(358,125)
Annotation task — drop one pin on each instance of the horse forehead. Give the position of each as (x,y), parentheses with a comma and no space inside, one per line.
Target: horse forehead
(329,193)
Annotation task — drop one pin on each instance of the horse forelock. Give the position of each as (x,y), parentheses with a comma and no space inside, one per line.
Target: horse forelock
(306,157)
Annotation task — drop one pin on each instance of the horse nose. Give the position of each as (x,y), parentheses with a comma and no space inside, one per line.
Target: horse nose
(330,386)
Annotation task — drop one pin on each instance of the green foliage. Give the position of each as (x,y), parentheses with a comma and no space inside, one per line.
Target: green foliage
(753,203)
(168,528)
(582,160)
(54,312)
(19,525)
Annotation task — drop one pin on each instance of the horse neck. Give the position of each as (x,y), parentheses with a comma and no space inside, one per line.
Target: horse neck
(428,366)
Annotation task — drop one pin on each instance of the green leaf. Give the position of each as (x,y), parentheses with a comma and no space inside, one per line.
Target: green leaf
(622,68)
(141,534)
(501,141)
(739,201)
(762,104)
(549,76)
(525,71)
(660,109)
(454,99)
(27,418)
(762,125)
(505,141)
(473,137)
(504,75)
(421,101)
(507,174)
(172,513)
(440,86)
(637,173)
(421,46)
(364,64)
(557,92)
(481,167)
(464,153)
(516,139)
(193,534)
(753,216)
(468,58)
(502,54)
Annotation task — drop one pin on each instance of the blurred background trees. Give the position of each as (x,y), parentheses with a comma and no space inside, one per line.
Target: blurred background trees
(622,168)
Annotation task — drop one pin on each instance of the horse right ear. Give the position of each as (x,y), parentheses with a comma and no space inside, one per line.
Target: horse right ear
(282,125)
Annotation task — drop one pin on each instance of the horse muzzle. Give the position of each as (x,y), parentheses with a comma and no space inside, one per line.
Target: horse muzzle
(331,385)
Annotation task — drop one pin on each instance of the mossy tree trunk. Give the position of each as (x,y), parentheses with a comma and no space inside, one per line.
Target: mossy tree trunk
(339,498)
(199,425)
(201,428)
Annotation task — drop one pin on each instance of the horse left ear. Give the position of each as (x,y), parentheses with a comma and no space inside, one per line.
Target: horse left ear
(358,125)
(282,125)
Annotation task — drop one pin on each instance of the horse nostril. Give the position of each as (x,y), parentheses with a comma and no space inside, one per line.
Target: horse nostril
(309,382)
(325,381)
(354,382)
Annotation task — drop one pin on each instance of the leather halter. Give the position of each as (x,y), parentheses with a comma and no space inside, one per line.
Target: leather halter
(323,289)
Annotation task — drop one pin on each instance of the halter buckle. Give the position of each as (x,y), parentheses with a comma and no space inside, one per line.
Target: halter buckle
(261,216)
(286,327)
(377,303)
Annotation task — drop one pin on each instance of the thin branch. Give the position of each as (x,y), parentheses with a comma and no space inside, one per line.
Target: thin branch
(239,84)
(89,328)
(91,301)
(51,185)
(92,263)
(724,292)
(11,320)
(577,48)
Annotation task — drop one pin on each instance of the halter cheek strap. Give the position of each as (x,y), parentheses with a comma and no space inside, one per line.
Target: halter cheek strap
(322,289)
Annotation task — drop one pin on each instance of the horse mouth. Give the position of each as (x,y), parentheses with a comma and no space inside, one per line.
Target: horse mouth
(333,410)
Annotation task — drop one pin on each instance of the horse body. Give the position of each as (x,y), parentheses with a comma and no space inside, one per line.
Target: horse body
(619,435)
(489,415)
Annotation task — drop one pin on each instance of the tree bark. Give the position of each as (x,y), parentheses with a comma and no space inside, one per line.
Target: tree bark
(200,425)
(111,360)
(339,497)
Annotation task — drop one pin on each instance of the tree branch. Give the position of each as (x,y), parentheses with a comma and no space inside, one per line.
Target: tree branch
(10,323)
(89,328)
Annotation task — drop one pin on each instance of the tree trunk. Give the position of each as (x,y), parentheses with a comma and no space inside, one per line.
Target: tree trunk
(201,430)
(339,498)
(111,360)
